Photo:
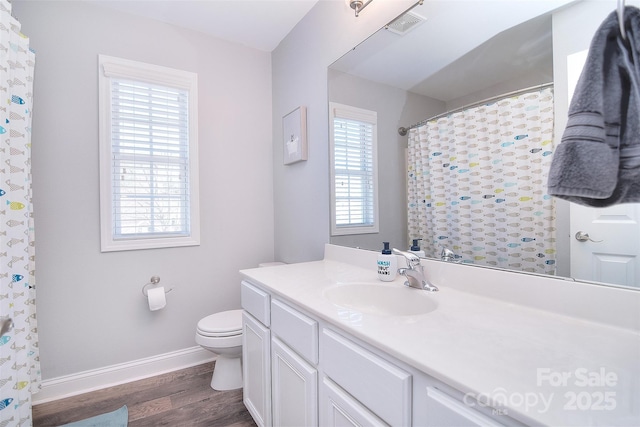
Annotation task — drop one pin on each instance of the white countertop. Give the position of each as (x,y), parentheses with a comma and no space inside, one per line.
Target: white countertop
(546,367)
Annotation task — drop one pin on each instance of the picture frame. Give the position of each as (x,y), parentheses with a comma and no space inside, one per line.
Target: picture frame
(294,136)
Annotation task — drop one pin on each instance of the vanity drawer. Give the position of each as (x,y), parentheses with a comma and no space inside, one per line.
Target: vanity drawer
(256,302)
(297,330)
(444,410)
(379,385)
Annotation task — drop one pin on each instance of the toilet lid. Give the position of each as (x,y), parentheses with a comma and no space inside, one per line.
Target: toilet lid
(223,324)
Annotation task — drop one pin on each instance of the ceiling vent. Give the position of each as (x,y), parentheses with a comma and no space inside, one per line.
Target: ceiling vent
(405,23)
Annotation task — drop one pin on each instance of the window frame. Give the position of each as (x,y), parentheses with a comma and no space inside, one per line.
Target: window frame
(112,67)
(348,112)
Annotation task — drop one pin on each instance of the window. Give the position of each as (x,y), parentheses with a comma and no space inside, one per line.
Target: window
(354,192)
(148,156)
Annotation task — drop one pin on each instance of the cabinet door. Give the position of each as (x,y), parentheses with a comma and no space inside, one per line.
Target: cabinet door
(444,411)
(256,370)
(339,409)
(379,385)
(295,388)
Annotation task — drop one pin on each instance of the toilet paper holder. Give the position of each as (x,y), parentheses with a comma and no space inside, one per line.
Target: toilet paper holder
(152,282)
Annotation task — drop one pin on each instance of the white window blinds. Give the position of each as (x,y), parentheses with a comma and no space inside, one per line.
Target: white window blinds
(150,149)
(354,171)
(148,156)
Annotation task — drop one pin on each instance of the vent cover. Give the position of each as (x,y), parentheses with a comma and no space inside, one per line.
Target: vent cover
(405,23)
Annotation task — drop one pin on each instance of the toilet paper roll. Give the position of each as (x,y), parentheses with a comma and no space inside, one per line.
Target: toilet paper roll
(157,298)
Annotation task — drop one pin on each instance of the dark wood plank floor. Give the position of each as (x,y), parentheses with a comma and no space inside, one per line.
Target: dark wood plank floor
(179,398)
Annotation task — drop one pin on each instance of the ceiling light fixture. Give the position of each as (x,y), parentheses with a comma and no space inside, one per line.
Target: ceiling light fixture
(358,5)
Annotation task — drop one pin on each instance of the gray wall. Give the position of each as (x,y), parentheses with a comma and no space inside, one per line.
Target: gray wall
(301,191)
(91,312)
(395,108)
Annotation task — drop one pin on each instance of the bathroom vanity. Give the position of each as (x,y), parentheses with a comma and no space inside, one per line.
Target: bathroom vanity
(326,343)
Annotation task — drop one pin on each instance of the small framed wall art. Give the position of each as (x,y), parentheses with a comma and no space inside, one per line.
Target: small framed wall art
(294,132)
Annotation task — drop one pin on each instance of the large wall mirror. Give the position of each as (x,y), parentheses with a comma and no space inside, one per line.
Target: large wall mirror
(445,58)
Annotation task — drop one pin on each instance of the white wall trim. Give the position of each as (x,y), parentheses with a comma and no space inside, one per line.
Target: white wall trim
(95,379)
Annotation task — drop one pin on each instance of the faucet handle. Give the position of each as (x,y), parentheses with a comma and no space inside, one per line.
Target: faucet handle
(413,260)
(447,255)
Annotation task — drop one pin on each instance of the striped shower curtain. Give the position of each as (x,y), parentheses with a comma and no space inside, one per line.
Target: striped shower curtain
(19,359)
(477,184)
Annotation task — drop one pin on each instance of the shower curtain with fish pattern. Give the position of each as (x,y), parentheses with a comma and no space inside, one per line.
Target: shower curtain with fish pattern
(477,182)
(19,357)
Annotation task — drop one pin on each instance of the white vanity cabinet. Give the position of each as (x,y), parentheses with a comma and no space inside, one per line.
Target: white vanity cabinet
(437,404)
(444,410)
(280,354)
(364,387)
(256,369)
(339,408)
(256,353)
(302,371)
(294,377)
(381,387)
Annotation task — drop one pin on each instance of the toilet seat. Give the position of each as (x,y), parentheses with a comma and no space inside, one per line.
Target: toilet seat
(223,324)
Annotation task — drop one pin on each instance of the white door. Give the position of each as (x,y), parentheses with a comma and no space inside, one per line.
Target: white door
(605,243)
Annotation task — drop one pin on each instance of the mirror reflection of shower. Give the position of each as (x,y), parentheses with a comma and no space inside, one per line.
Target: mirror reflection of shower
(477,183)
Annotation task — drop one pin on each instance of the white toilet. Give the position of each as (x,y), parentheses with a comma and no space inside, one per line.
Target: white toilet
(221,333)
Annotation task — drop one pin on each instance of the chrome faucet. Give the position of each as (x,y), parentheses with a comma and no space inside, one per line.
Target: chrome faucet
(414,272)
(448,255)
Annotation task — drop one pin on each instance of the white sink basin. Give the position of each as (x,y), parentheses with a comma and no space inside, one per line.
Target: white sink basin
(384,300)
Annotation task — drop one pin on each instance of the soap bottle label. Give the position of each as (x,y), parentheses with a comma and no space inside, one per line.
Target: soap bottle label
(387,269)
(384,268)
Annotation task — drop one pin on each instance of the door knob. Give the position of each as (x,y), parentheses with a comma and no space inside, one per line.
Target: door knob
(581,236)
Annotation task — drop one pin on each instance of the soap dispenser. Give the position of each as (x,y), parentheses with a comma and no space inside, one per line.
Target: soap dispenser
(387,264)
(415,248)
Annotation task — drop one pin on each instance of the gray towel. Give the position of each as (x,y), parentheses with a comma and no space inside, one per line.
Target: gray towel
(598,160)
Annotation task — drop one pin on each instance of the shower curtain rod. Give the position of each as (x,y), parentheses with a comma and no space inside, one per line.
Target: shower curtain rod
(403,131)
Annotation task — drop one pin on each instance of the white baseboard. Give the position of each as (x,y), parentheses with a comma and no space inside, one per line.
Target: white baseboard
(83,382)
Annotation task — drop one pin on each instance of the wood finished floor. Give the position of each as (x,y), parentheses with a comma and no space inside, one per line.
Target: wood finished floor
(179,398)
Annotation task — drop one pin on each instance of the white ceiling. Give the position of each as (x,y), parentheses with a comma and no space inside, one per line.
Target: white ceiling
(260,24)
(453,28)
(469,35)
